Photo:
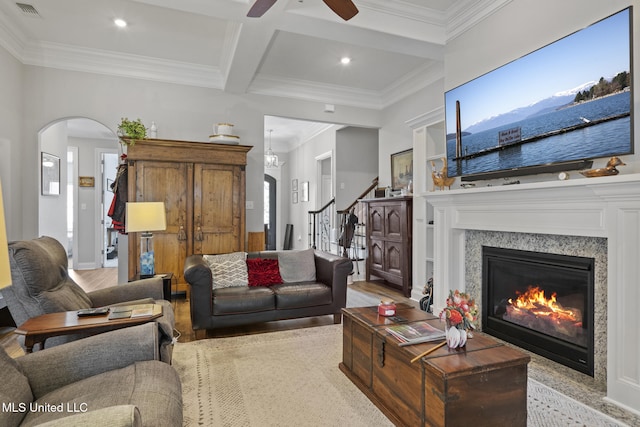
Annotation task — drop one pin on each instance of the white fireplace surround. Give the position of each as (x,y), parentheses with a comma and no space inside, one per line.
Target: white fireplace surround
(606,207)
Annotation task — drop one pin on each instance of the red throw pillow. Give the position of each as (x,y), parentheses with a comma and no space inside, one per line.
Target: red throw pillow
(263,272)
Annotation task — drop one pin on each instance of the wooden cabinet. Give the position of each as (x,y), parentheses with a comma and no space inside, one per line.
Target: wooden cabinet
(389,236)
(203,188)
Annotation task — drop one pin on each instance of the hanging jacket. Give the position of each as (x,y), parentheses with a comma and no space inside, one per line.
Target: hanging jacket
(120,199)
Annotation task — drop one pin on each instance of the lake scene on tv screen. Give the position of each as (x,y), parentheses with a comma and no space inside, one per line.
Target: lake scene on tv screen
(570,100)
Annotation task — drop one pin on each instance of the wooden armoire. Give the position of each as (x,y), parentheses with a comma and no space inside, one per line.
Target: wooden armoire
(389,241)
(203,189)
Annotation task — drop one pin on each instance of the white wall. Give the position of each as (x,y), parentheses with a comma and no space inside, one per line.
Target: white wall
(395,133)
(181,112)
(11,107)
(303,167)
(356,163)
(52,217)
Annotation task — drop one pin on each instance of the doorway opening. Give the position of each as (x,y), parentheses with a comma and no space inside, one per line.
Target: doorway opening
(79,143)
(270,211)
(109,165)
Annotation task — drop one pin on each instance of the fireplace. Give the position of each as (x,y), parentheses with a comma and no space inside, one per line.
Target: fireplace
(543,302)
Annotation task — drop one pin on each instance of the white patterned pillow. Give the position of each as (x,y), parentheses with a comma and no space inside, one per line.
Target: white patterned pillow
(228,269)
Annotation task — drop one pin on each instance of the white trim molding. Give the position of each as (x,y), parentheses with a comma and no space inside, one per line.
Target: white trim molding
(606,207)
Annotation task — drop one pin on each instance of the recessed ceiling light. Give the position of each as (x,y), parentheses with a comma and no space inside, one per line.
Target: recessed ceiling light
(345,60)
(120,22)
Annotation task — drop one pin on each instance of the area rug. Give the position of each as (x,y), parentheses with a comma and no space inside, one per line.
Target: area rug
(291,378)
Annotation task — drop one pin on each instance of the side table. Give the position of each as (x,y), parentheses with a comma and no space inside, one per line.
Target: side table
(167,279)
(37,329)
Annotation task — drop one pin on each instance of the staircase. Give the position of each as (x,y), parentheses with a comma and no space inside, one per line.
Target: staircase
(342,232)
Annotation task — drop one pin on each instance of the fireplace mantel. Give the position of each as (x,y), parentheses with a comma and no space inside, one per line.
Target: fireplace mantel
(606,207)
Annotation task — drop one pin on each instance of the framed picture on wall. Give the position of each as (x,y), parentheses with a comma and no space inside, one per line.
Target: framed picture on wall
(50,171)
(294,185)
(294,197)
(401,169)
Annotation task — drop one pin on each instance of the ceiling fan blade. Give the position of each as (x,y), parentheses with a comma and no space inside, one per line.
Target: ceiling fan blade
(345,9)
(260,7)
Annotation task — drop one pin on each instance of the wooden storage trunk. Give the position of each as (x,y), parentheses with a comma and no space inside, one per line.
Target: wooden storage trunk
(483,384)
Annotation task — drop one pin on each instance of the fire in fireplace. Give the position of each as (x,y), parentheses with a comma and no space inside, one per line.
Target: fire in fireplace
(542,302)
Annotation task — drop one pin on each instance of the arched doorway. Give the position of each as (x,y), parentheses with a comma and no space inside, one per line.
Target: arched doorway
(270,211)
(82,146)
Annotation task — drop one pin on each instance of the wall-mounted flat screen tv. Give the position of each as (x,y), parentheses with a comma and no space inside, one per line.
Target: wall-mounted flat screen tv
(551,110)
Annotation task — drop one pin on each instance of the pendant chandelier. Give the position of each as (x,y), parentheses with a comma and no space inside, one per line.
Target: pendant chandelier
(270,158)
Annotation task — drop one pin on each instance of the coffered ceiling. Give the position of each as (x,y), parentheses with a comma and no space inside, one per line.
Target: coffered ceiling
(293,51)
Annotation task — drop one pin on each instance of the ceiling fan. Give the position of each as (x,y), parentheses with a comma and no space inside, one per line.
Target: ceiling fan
(345,9)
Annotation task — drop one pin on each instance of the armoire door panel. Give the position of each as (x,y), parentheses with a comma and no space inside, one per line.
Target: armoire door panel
(217,213)
(174,194)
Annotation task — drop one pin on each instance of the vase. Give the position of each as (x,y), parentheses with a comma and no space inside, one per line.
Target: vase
(455,337)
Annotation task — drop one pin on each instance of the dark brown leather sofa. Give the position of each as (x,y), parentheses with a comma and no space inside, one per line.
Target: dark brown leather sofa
(220,308)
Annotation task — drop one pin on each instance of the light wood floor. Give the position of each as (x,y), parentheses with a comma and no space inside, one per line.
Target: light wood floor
(359,294)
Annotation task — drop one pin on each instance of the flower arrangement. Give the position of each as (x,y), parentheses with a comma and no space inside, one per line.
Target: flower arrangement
(461,311)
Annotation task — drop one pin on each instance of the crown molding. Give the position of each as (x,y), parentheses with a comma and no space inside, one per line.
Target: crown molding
(311,91)
(425,119)
(60,56)
(405,10)
(11,38)
(466,14)
(414,81)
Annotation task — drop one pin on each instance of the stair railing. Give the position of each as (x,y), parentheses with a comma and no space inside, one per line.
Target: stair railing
(320,226)
(352,235)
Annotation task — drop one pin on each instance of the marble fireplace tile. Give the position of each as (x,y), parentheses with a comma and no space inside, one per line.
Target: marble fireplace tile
(590,247)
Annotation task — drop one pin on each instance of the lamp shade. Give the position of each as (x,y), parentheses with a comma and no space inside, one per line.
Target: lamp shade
(145,216)
(5,270)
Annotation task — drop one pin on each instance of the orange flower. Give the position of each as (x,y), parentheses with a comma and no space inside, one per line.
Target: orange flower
(454,317)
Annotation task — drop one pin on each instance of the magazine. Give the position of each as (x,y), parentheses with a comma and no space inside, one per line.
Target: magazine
(415,333)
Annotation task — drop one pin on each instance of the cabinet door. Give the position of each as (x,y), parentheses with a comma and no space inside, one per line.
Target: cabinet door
(394,257)
(376,220)
(169,183)
(218,210)
(376,254)
(394,221)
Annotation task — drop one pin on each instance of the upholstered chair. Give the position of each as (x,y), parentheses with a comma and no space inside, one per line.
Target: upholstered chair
(110,379)
(41,284)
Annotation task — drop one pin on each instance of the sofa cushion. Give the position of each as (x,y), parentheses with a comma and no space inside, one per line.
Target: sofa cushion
(228,269)
(14,389)
(263,272)
(152,386)
(299,295)
(238,300)
(297,266)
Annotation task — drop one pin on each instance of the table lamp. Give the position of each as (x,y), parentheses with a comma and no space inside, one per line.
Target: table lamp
(5,270)
(145,217)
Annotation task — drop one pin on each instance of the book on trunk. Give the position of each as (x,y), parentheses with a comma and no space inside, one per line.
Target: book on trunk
(415,333)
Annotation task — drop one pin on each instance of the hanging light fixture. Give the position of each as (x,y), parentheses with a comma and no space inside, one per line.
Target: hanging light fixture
(270,158)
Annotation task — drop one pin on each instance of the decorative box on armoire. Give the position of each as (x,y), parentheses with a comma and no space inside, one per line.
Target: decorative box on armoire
(203,188)
(389,237)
